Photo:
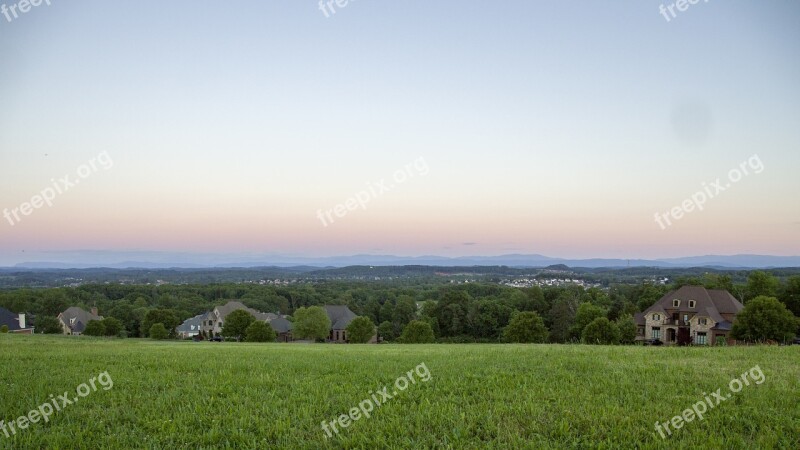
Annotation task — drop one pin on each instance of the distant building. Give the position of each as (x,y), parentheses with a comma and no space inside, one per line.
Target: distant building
(212,322)
(16,323)
(340,317)
(690,315)
(190,327)
(283,329)
(74,319)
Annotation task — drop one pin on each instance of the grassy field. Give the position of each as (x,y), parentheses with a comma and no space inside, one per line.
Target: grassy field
(208,395)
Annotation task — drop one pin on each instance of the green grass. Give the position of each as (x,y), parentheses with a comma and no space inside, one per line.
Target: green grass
(210,395)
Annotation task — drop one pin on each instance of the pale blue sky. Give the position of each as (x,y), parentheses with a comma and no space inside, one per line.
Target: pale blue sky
(554,127)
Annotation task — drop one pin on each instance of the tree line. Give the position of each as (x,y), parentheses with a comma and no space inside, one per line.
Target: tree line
(468,312)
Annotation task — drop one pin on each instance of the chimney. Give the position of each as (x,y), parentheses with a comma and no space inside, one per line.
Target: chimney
(21,321)
(94,310)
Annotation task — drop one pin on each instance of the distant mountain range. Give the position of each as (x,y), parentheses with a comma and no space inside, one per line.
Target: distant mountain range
(161,260)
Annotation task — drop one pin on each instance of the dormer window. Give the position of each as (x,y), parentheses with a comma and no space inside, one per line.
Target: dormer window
(676,303)
(691,303)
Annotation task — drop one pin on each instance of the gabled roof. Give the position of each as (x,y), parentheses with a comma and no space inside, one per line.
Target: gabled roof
(340,316)
(10,319)
(81,317)
(187,324)
(714,315)
(708,302)
(234,305)
(725,302)
(639,319)
(281,325)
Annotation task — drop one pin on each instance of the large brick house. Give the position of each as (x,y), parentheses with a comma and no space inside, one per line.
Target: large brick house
(211,324)
(689,315)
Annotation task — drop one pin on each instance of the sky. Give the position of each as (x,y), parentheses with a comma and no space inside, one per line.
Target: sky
(571,129)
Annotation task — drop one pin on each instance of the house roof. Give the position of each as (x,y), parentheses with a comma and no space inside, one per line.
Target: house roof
(234,305)
(81,317)
(281,325)
(340,316)
(639,319)
(10,319)
(187,324)
(708,302)
(725,302)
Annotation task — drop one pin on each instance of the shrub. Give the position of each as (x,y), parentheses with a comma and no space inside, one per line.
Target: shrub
(158,332)
(525,327)
(259,331)
(360,330)
(4,329)
(627,329)
(311,323)
(48,325)
(386,331)
(95,328)
(417,332)
(764,318)
(113,327)
(601,331)
(236,324)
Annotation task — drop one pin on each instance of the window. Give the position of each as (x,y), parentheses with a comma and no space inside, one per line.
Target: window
(656,316)
(700,339)
(676,303)
(685,318)
(656,333)
(691,303)
(702,321)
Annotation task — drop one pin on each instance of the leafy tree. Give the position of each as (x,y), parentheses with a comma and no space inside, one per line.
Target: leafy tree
(764,318)
(761,283)
(790,296)
(647,296)
(452,311)
(404,311)
(360,330)
(48,325)
(627,329)
(586,313)
(601,331)
(166,317)
(95,328)
(259,331)
(236,324)
(387,310)
(129,316)
(112,326)
(54,302)
(417,332)
(526,327)
(562,314)
(158,332)
(488,317)
(311,323)
(4,329)
(386,331)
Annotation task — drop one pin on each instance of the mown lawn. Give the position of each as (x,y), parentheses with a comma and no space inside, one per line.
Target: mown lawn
(212,395)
